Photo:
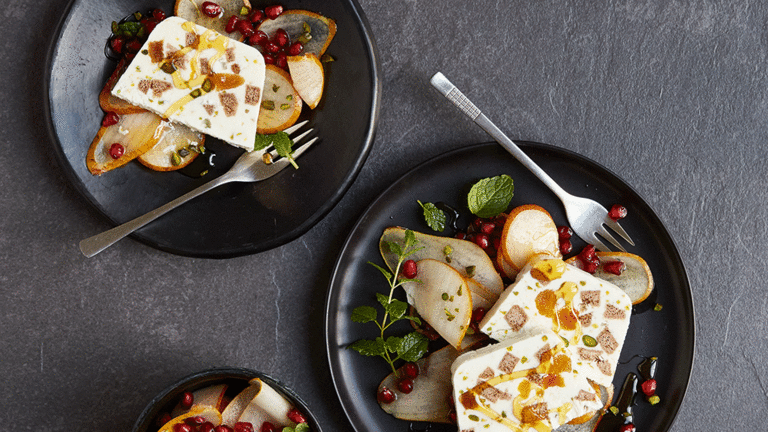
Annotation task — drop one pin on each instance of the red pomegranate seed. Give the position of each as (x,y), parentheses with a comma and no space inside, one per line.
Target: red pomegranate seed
(617,212)
(614,267)
(187,399)
(268,427)
(478,314)
(269,59)
(411,370)
(565,247)
(116,150)
(245,27)
(281,38)
(256,16)
(111,118)
(590,267)
(273,11)
(478,222)
(461,235)
(158,15)
(282,60)
(385,395)
(564,232)
(258,38)
(649,387)
(296,416)
(183,427)
(496,243)
(243,427)
(195,421)
(223,428)
(588,253)
(295,49)
(410,270)
(149,24)
(206,427)
(487,227)
(133,46)
(116,43)
(482,240)
(627,428)
(231,24)
(271,47)
(405,385)
(211,9)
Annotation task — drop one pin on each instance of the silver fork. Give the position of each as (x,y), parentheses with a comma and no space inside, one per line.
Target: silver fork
(250,167)
(587,217)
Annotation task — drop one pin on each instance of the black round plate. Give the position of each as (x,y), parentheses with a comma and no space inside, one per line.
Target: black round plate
(236,377)
(667,334)
(234,219)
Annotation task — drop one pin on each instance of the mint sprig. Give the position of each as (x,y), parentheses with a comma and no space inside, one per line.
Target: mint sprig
(490,197)
(434,216)
(413,345)
(282,142)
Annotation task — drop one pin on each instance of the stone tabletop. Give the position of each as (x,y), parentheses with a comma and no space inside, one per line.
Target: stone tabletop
(670,95)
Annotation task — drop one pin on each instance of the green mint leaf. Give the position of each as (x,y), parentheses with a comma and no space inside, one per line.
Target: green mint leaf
(413,347)
(383,271)
(394,344)
(491,196)
(394,248)
(396,309)
(410,240)
(415,320)
(382,299)
(369,347)
(364,314)
(434,217)
(282,142)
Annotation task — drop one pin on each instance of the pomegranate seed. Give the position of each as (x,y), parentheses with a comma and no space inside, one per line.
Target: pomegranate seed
(206,427)
(478,314)
(256,16)
(231,24)
(282,60)
(183,427)
(281,38)
(223,428)
(452,416)
(116,44)
(243,427)
(163,419)
(496,243)
(195,421)
(478,222)
(405,385)
(158,14)
(590,267)
(296,416)
(461,235)
(269,59)
(271,47)
(614,267)
(258,38)
(116,150)
(481,240)
(211,9)
(617,212)
(564,232)
(295,49)
(627,428)
(273,11)
(111,118)
(649,387)
(487,227)
(244,27)
(133,46)
(411,370)
(187,399)
(149,25)
(588,253)
(385,395)
(410,270)
(565,247)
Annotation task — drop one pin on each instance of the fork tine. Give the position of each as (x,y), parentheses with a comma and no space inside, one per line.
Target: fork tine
(295,127)
(607,235)
(598,244)
(619,230)
(304,148)
(300,137)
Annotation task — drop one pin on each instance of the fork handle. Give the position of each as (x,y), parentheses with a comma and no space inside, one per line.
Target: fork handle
(95,244)
(441,83)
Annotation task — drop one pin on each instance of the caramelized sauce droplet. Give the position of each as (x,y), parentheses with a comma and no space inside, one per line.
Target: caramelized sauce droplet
(225,81)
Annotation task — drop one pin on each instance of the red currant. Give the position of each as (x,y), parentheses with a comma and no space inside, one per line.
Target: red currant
(116,150)
(187,399)
(405,385)
(411,370)
(410,269)
(385,395)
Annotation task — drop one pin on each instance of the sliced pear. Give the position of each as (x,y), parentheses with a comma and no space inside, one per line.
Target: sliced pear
(442,299)
(108,102)
(505,267)
(636,279)
(239,403)
(464,256)
(308,77)
(266,405)
(528,231)
(480,296)
(280,102)
(190,11)
(211,396)
(137,133)
(178,146)
(208,413)
(430,399)
(293,21)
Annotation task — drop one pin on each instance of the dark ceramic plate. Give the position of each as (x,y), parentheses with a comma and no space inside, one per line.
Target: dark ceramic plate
(234,219)
(667,334)
(234,377)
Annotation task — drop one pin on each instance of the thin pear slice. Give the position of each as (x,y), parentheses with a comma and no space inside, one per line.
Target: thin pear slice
(308,77)
(266,405)
(636,279)
(481,298)
(528,231)
(111,103)
(293,21)
(208,413)
(137,133)
(280,102)
(211,396)
(464,256)
(190,11)
(442,298)
(178,146)
(429,400)
(239,403)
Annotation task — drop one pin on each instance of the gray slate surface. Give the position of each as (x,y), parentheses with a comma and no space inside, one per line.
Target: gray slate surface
(670,95)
